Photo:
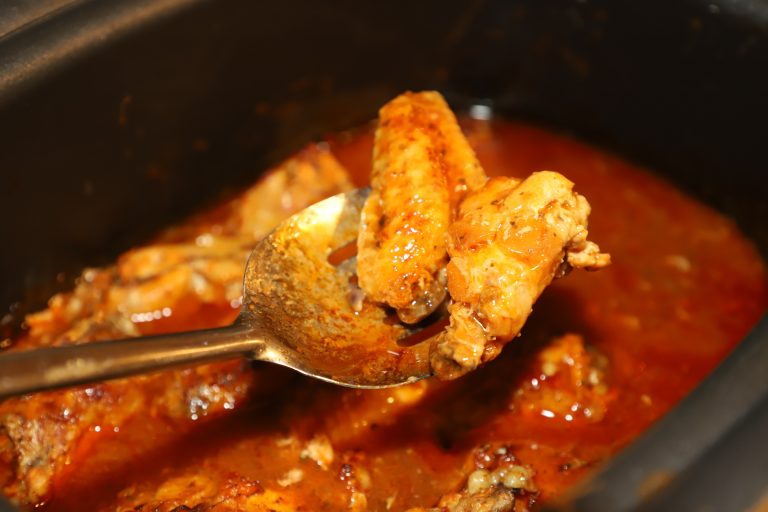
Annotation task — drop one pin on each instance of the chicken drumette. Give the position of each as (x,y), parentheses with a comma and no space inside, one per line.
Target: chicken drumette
(510,240)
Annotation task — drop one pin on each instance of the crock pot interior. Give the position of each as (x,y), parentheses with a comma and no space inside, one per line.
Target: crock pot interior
(107,138)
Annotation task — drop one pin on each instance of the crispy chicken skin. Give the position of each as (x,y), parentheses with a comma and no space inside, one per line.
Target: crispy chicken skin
(422,168)
(510,240)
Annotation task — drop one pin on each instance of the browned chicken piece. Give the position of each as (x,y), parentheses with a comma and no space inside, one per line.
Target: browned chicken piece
(509,241)
(154,289)
(147,285)
(491,499)
(43,432)
(496,482)
(203,491)
(422,168)
(155,282)
(313,174)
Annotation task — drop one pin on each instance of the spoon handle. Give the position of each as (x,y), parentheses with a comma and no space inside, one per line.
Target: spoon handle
(50,368)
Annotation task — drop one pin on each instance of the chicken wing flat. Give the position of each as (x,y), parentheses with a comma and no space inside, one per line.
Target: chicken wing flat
(510,240)
(423,167)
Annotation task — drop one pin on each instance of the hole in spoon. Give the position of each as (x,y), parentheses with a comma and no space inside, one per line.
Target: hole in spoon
(391,317)
(425,329)
(421,331)
(343,253)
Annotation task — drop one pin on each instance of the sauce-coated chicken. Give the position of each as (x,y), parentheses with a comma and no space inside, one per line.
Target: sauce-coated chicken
(510,240)
(422,168)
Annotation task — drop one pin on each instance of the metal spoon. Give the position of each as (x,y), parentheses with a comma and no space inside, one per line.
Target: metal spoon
(299,311)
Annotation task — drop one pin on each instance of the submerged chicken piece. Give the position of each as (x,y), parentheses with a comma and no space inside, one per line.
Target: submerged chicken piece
(496,482)
(147,285)
(569,384)
(45,431)
(192,267)
(206,492)
(509,241)
(422,168)
(194,282)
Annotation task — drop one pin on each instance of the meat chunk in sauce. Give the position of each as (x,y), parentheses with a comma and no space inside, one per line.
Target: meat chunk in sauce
(313,174)
(200,492)
(422,168)
(496,482)
(511,239)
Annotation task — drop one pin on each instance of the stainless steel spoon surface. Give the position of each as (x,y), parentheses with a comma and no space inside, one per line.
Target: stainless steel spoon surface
(300,310)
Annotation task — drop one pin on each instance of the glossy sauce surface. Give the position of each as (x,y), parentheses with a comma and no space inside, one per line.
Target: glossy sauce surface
(684,287)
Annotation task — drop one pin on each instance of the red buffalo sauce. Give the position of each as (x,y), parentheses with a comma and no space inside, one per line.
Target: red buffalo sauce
(684,287)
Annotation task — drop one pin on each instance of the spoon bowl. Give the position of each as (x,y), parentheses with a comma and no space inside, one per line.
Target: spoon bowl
(300,310)
(315,311)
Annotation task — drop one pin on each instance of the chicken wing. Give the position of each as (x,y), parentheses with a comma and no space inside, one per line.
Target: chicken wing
(422,168)
(508,243)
